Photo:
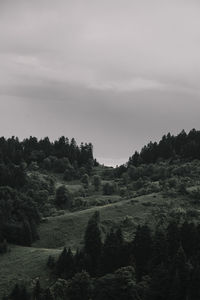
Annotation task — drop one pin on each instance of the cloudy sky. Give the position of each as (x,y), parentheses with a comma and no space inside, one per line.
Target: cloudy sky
(118,73)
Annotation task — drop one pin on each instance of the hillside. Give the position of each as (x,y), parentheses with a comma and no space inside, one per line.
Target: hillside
(50,208)
(68,229)
(24,265)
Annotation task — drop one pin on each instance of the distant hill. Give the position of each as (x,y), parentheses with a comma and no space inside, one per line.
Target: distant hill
(183,145)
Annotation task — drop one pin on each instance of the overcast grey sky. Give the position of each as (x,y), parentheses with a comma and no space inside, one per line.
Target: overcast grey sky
(118,73)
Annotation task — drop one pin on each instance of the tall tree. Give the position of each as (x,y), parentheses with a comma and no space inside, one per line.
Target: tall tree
(142,249)
(92,242)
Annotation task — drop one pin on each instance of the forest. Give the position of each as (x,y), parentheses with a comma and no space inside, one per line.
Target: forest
(130,232)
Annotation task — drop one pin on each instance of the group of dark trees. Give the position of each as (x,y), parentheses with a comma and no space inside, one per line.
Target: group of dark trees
(183,146)
(166,262)
(60,156)
(20,197)
(19,217)
(159,265)
(32,149)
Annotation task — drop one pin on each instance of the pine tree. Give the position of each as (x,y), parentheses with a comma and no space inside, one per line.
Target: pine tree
(69,269)
(92,242)
(159,249)
(60,264)
(142,249)
(65,266)
(112,252)
(188,238)
(173,239)
(180,273)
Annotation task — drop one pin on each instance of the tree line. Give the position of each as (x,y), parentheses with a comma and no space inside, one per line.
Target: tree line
(183,145)
(32,149)
(163,264)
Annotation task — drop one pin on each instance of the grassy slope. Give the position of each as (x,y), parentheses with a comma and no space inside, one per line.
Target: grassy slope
(24,264)
(27,263)
(68,229)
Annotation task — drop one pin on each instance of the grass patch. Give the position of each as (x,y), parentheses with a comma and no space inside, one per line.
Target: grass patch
(68,229)
(24,264)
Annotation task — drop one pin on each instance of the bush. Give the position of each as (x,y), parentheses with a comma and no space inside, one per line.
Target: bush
(63,197)
(85,181)
(108,188)
(97,182)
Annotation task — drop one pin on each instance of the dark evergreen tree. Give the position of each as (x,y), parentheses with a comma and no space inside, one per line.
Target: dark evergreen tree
(142,249)
(92,242)
(65,266)
(159,249)
(80,287)
(188,238)
(180,275)
(112,252)
(173,239)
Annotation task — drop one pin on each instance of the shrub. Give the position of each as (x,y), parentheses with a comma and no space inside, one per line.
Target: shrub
(63,197)
(96,182)
(108,188)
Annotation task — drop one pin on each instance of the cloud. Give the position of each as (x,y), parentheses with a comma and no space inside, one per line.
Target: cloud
(135,84)
(100,44)
(106,64)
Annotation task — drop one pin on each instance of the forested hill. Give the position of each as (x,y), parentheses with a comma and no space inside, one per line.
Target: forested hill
(22,196)
(184,146)
(32,149)
(57,156)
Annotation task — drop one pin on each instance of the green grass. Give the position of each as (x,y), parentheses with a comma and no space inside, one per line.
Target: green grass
(24,265)
(68,229)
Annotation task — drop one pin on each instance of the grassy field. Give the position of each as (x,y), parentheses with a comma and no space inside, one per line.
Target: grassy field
(24,264)
(68,229)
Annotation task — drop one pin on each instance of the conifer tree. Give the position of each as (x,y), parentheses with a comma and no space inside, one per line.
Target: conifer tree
(142,249)
(65,266)
(92,241)
(112,252)
(173,239)
(159,249)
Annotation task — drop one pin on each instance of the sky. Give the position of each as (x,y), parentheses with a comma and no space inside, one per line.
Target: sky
(117,73)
